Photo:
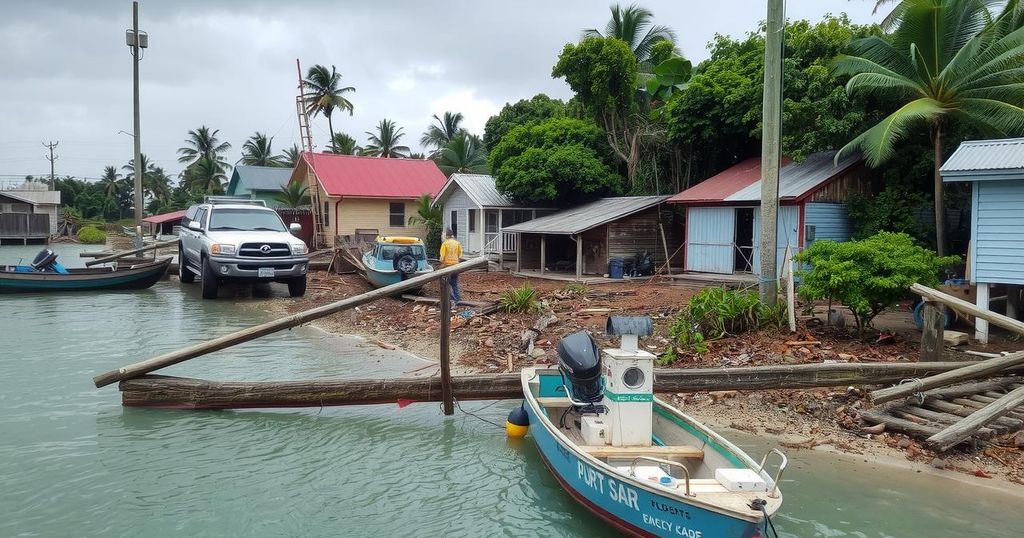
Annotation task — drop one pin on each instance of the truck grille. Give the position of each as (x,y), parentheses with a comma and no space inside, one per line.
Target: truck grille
(264,250)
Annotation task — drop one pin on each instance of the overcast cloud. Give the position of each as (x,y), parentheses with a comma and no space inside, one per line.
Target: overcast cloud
(65,72)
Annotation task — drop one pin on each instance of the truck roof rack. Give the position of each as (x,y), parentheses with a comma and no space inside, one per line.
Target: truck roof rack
(215,200)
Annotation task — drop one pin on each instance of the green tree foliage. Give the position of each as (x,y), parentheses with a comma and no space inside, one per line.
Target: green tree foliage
(537,108)
(343,144)
(717,118)
(464,154)
(603,74)
(870,275)
(555,161)
(258,151)
(291,156)
(202,143)
(324,94)
(294,194)
(946,60)
(448,128)
(634,26)
(895,209)
(432,218)
(204,176)
(386,142)
(92,235)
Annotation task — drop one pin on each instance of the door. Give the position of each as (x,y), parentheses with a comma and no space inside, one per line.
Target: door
(744,239)
(710,232)
(473,238)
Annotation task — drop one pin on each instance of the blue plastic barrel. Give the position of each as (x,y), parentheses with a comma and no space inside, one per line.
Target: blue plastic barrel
(615,267)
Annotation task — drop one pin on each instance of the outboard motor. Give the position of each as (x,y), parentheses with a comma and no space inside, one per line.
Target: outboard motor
(45,261)
(579,361)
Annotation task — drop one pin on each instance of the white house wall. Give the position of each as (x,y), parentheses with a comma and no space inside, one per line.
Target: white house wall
(460,202)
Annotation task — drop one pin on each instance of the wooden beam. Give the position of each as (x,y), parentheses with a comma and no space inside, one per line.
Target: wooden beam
(898,424)
(124,253)
(981,322)
(938,417)
(931,333)
(287,322)
(974,371)
(543,251)
(960,431)
(971,388)
(446,334)
(579,257)
(961,305)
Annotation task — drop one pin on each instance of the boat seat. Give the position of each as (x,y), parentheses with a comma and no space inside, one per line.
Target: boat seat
(553,401)
(679,451)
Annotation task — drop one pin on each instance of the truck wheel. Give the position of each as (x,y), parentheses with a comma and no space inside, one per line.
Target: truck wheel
(185,275)
(297,286)
(209,281)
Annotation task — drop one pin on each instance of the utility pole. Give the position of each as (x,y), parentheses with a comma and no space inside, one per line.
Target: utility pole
(771,149)
(52,145)
(137,41)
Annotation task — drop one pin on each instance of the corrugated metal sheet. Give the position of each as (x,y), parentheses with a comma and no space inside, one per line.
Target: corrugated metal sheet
(710,235)
(996,232)
(830,221)
(374,177)
(481,189)
(587,216)
(799,179)
(165,217)
(717,187)
(788,233)
(246,179)
(985,155)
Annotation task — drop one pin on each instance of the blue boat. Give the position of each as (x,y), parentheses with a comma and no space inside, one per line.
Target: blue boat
(636,462)
(394,259)
(45,274)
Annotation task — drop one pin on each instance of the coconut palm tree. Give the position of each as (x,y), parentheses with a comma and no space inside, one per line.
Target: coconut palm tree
(431,217)
(293,195)
(204,176)
(464,154)
(446,130)
(634,26)
(343,144)
(202,143)
(946,60)
(323,93)
(258,151)
(290,156)
(157,184)
(110,182)
(385,142)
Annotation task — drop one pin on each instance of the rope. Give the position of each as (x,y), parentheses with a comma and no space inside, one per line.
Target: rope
(918,394)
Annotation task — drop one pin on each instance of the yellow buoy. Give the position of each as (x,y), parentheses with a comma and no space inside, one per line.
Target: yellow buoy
(518,423)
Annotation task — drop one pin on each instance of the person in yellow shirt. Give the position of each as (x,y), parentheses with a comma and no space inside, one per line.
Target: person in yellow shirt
(451,253)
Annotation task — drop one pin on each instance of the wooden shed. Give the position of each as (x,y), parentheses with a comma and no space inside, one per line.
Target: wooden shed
(995,169)
(583,240)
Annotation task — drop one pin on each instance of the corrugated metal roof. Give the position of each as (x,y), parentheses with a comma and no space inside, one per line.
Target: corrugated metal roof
(165,217)
(375,177)
(481,189)
(717,187)
(13,196)
(799,179)
(245,179)
(976,155)
(582,218)
(36,196)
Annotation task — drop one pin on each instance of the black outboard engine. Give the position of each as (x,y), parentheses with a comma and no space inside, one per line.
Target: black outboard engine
(579,361)
(643,264)
(44,261)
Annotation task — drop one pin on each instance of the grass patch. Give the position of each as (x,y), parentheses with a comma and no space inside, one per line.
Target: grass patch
(520,300)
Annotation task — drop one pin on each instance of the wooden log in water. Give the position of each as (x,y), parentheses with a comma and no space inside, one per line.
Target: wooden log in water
(959,432)
(162,391)
(976,370)
(287,322)
(125,253)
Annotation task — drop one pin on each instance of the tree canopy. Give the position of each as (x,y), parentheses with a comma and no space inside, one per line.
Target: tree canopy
(539,107)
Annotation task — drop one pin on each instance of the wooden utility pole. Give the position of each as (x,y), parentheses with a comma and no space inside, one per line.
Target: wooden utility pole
(446,333)
(52,146)
(771,132)
(137,43)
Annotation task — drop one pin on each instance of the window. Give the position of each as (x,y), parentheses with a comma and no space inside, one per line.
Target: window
(326,215)
(454,223)
(472,220)
(491,226)
(189,215)
(246,220)
(396,214)
(201,218)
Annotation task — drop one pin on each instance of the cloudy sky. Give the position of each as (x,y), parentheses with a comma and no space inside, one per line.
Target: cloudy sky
(65,72)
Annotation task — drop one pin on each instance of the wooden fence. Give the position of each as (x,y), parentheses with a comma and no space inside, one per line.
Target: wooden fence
(24,226)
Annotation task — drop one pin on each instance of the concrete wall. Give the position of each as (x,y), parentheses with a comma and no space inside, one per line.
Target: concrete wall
(997,232)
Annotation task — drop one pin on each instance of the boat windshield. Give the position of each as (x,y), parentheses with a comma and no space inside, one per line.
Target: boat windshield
(246,220)
(390,252)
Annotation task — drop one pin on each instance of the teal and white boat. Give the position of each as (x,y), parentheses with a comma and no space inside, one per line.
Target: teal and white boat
(634,461)
(46,274)
(394,259)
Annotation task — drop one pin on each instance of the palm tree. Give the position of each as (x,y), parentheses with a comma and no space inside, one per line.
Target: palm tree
(202,143)
(385,143)
(633,25)
(437,136)
(343,144)
(204,176)
(465,154)
(290,156)
(324,93)
(293,195)
(111,183)
(157,183)
(257,151)
(946,60)
(431,217)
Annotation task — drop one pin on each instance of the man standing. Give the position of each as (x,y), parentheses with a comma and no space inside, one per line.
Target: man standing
(451,252)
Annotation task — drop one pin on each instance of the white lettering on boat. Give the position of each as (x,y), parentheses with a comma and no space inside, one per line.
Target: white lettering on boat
(674,528)
(617,492)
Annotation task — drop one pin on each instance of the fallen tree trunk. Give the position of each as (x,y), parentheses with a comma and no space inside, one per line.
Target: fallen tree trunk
(175,392)
(974,371)
(960,431)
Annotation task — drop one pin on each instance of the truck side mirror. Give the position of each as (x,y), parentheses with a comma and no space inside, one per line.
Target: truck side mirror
(193,225)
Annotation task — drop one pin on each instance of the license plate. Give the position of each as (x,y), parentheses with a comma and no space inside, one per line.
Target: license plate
(265,272)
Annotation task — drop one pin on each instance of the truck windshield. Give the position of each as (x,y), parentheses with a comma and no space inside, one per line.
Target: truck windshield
(246,220)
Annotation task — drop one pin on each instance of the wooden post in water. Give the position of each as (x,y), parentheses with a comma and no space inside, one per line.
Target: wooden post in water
(932,332)
(446,332)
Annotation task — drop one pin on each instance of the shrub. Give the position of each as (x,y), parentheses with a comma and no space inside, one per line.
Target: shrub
(520,300)
(716,312)
(576,288)
(870,275)
(92,235)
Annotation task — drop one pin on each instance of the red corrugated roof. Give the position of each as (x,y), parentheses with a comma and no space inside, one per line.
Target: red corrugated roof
(165,217)
(717,187)
(374,177)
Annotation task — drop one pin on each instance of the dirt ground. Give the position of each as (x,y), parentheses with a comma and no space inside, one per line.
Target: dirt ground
(799,419)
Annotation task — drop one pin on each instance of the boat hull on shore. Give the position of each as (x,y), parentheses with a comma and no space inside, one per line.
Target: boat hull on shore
(123,277)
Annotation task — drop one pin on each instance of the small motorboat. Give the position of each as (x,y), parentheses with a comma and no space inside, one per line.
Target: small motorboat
(394,259)
(46,274)
(634,461)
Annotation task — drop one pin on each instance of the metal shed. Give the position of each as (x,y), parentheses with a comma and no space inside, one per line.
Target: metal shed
(582,240)
(995,169)
(723,220)
(258,182)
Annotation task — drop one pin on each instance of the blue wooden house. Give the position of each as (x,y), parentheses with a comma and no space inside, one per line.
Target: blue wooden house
(995,169)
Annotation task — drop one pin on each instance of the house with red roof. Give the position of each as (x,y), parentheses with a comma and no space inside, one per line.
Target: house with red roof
(368,195)
(723,217)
